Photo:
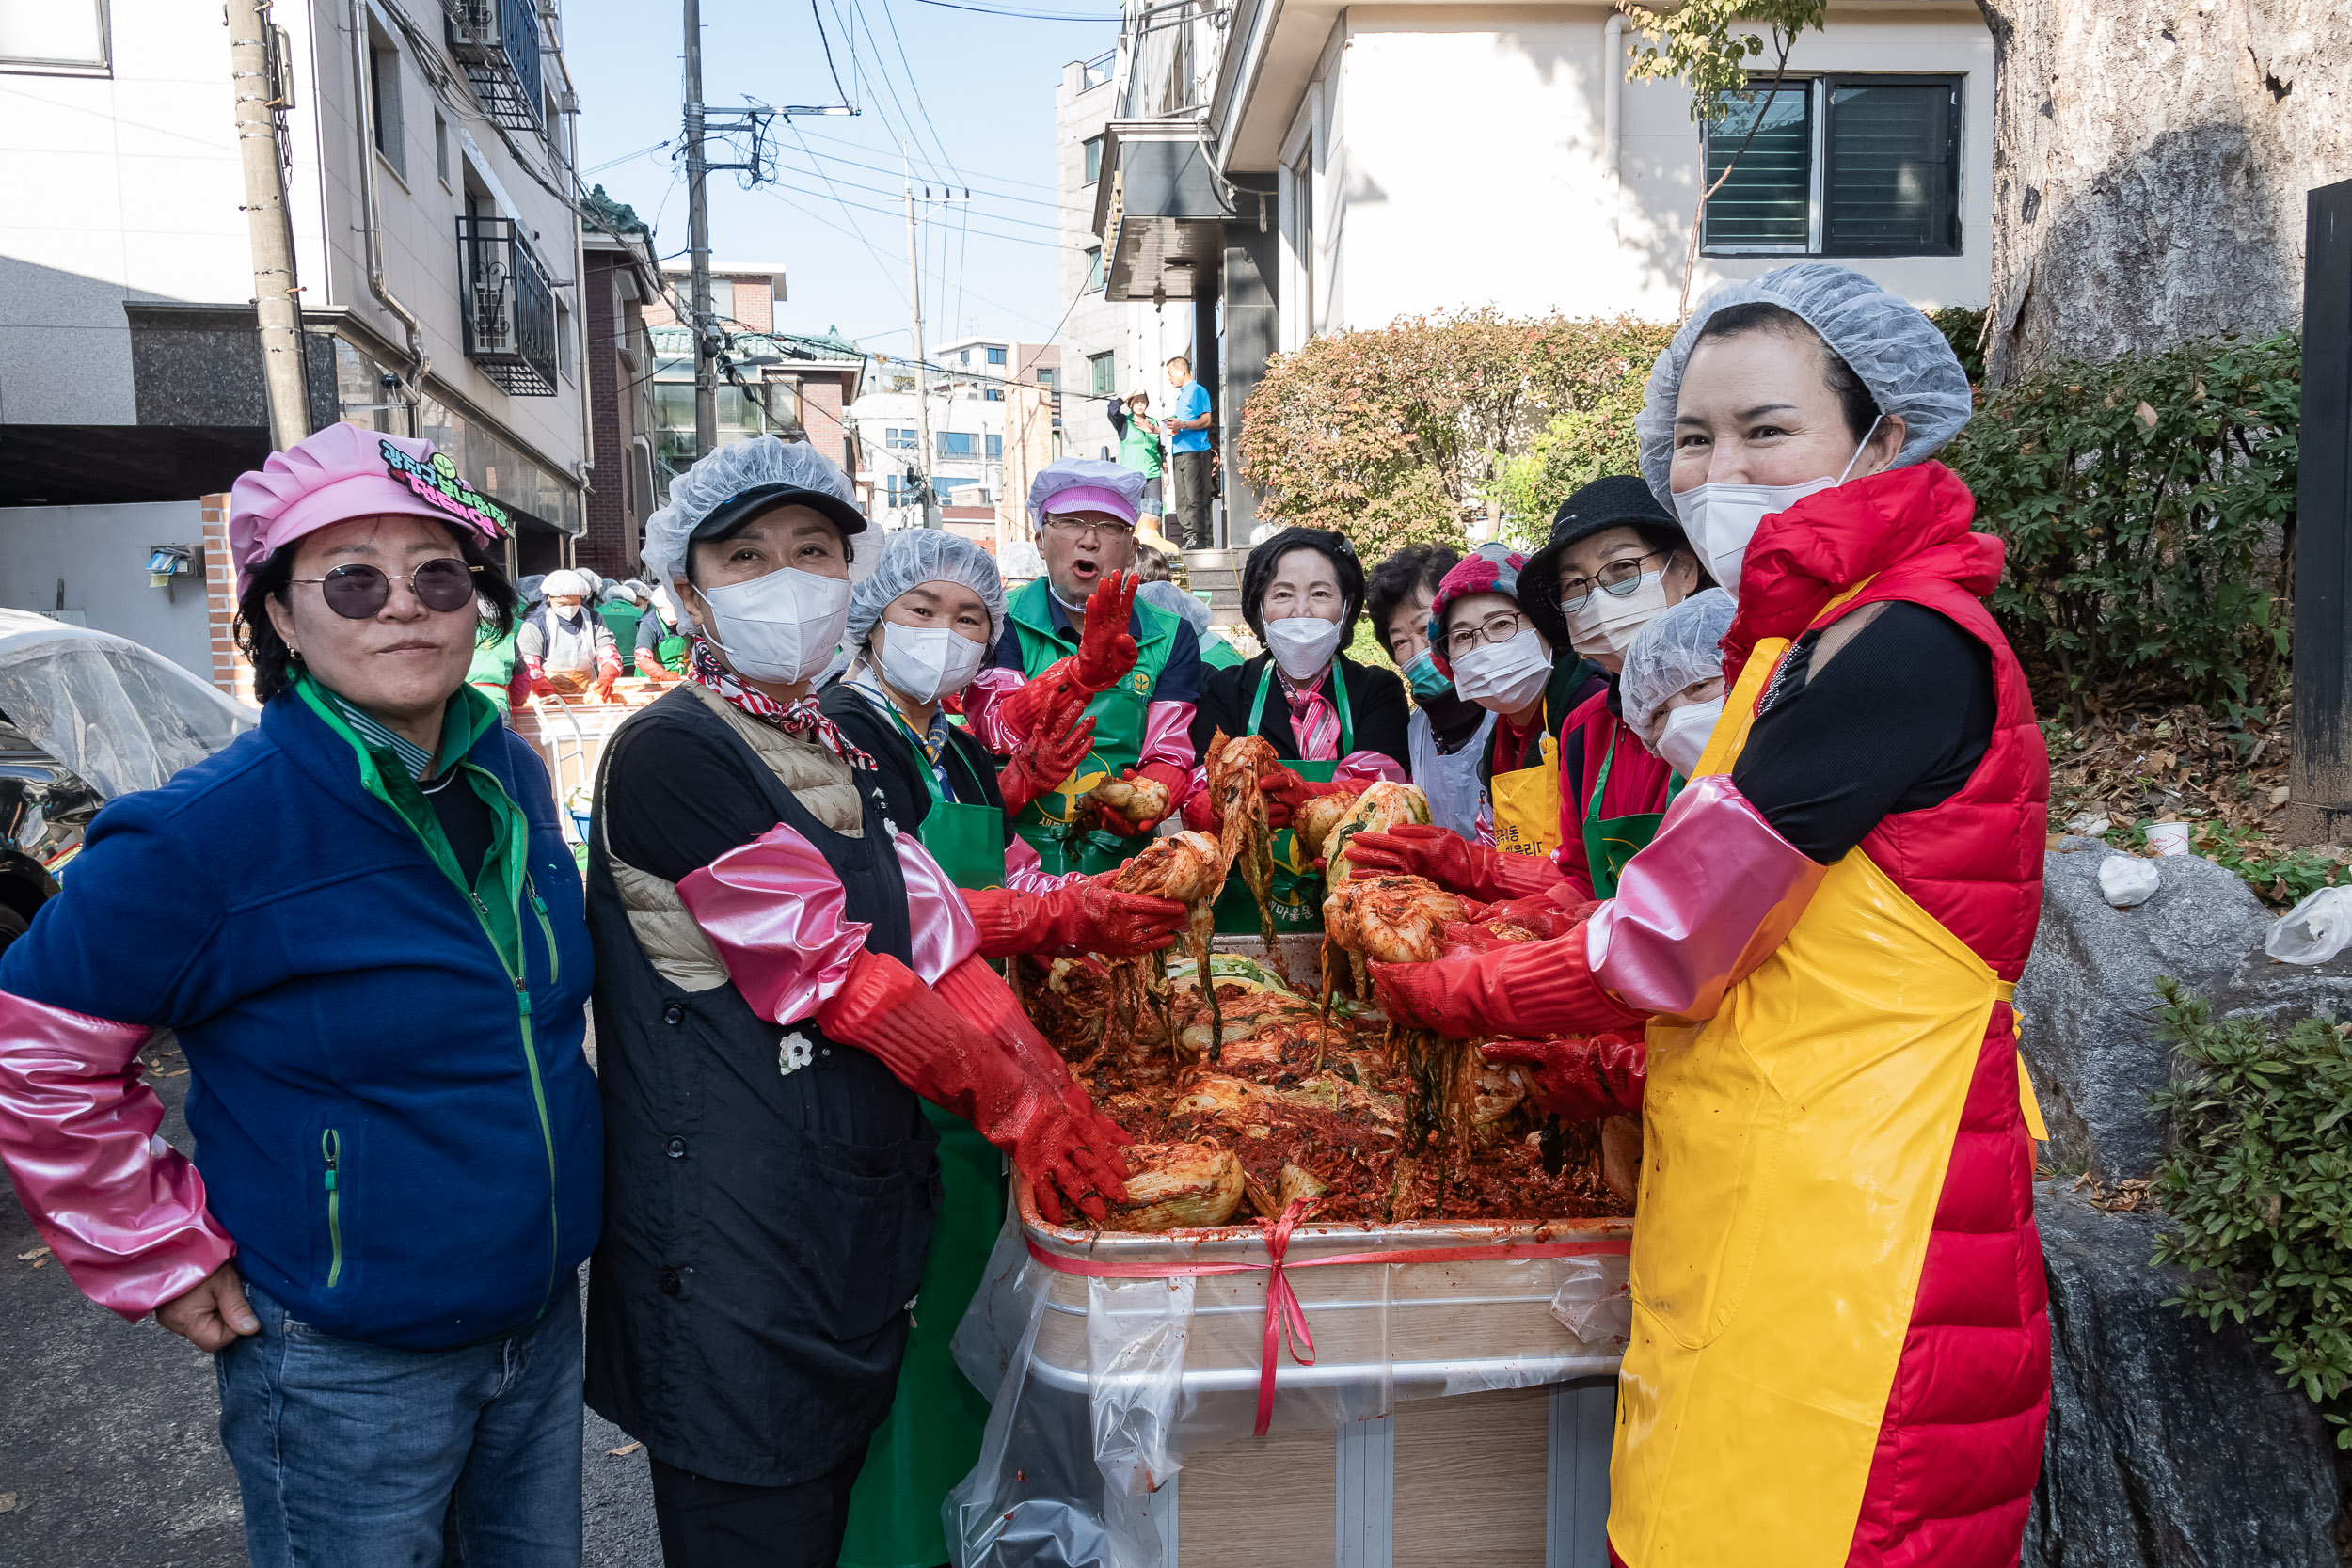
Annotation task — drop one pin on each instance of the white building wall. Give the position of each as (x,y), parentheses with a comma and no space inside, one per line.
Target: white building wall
(97,556)
(1459,158)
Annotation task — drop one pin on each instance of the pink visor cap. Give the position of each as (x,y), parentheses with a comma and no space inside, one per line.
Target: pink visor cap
(343,472)
(1086,497)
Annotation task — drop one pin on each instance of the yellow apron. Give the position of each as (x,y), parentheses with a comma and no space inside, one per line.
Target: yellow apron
(1794,1150)
(1527,800)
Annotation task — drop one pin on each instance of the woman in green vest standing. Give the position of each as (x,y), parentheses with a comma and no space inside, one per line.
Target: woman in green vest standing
(920,627)
(1053,654)
(621,607)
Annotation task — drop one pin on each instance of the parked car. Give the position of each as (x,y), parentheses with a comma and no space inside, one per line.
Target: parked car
(85,716)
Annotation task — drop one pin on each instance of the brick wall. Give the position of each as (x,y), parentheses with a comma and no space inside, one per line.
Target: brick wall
(754,300)
(231,671)
(610,546)
(821,409)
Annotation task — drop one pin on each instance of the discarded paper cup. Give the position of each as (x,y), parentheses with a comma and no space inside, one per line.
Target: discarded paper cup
(2169,838)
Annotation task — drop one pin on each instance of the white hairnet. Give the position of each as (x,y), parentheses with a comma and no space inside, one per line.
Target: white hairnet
(1085,473)
(567,580)
(721,476)
(1676,648)
(1167,596)
(1900,356)
(914,556)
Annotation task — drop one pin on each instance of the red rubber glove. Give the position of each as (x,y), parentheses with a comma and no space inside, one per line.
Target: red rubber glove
(604,685)
(1086,916)
(1011,1097)
(1285,792)
(1554,912)
(1201,812)
(1525,990)
(1452,862)
(1160,773)
(1050,755)
(1106,651)
(1586,1079)
(540,685)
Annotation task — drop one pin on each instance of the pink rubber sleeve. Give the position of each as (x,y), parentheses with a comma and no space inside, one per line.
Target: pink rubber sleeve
(775,912)
(1025,873)
(982,713)
(1167,739)
(1369,767)
(123,1211)
(942,929)
(1702,905)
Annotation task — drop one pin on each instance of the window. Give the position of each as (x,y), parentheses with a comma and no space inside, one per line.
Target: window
(957,443)
(1094,270)
(722,298)
(995,447)
(897,439)
(996,357)
(384,100)
(1840,165)
(1094,159)
(963,357)
(1048,377)
(440,146)
(994,394)
(54,35)
(1101,375)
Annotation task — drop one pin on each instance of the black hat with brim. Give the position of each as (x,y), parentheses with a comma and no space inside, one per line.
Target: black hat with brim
(737,510)
(1614,500)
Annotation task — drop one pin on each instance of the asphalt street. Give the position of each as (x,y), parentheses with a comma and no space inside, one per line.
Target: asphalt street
(109,1432)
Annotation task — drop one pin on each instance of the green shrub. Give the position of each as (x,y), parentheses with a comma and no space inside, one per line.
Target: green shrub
(2260,1185)
(1964,329)
(1404,432)
(2149,509)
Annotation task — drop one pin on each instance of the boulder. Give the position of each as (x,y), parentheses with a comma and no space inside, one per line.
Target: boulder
(2087,998)
(2170,1446)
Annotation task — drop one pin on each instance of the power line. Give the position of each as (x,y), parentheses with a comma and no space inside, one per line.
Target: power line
(1000,178)
(860,233)
(1024,16)
(891,17)
(878,168)
(878,190)
(859,206)
(817,17)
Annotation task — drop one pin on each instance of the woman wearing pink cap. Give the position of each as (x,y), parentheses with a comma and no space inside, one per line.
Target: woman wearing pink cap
(364,926)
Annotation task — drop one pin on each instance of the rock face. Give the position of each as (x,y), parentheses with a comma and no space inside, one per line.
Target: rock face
(2088,996)
(2170,1446)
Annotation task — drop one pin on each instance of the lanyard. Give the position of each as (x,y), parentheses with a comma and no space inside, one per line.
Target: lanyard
(1339,686)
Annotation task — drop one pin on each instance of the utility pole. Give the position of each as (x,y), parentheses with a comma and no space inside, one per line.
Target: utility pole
(922,360)
(698,241)
(277,296)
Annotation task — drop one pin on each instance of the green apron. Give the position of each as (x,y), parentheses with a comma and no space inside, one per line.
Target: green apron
(623,618)
(931,1438)
(1298,891)
(1118,714)
(1609,842)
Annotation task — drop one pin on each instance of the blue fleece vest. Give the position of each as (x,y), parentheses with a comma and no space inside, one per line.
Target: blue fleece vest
(370,1129)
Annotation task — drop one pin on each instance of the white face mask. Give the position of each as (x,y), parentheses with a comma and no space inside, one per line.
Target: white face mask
(1504,677)
(1722,518)
(1302,644)
(928,662)
(1606,622)
(783,626)
(1683,737)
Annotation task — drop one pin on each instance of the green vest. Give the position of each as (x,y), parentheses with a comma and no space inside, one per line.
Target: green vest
(1119,723)
(623,616)
(493,667)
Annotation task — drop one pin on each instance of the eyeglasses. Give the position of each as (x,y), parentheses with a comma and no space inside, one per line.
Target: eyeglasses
(1108,533)
(355,592)
(1503,625)
(1619,578)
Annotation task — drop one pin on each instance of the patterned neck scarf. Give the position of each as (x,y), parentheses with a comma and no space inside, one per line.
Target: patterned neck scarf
(1315,722)
(800,718)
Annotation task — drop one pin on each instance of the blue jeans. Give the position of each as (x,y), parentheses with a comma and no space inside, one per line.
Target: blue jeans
(351,1455)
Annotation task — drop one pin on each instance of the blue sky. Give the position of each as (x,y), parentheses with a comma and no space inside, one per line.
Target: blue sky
(973,94)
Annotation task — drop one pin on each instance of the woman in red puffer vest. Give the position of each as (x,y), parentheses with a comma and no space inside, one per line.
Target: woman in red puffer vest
(1840,1346)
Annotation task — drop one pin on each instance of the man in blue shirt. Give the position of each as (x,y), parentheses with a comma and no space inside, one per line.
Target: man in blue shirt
(1189,456)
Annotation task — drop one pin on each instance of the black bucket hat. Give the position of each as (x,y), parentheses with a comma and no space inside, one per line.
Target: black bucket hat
(1614,500)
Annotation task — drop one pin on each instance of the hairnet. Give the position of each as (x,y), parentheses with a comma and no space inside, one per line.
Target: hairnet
(1900,356)
(1167,596)
(912,556)
(566,579)
(1676,647)
(725,473)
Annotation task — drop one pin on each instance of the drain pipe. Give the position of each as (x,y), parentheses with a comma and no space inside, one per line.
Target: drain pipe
(412,388)
(580,317)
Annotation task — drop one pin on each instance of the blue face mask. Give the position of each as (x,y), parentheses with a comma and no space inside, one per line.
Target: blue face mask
(1427,681)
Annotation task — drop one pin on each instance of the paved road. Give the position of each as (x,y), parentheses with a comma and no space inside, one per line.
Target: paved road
(109,1432)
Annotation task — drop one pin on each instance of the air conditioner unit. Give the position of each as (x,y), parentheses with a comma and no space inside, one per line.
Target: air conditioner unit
(473,31)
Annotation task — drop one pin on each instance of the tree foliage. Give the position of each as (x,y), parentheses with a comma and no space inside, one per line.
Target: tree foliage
(1405,433)
(1696,43)
(2259,1184)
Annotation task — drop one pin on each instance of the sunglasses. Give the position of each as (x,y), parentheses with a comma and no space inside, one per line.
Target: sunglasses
(355,592)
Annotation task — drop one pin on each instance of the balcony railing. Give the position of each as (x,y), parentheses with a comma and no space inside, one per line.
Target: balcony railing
(1168,51)
(498,43)
(508,307)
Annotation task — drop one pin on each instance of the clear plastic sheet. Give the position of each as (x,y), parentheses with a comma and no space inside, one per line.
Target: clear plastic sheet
(1102,1386)
(121,717)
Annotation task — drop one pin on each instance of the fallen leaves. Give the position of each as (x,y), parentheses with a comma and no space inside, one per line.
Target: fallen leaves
(624,1450)
(2124,1197)
(39,1256)
(8,1503)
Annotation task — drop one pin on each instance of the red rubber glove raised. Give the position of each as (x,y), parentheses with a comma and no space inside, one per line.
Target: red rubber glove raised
(1452,862)
(1580,1080)
(1086,916)
(1106,651)
(1528,989)
(1013,1098)
(1051,754)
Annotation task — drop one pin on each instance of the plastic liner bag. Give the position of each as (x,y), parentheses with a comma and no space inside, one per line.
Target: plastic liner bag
(2314,931)
(1596,1302)
(1102,1386)
(2125,882)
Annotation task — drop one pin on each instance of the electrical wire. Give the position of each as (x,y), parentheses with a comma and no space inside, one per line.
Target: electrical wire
(819,18)
(859,206)
(1024,16)
(860,234)
(1001,178)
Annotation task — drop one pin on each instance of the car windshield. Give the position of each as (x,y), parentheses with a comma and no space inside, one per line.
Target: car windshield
(121,718)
